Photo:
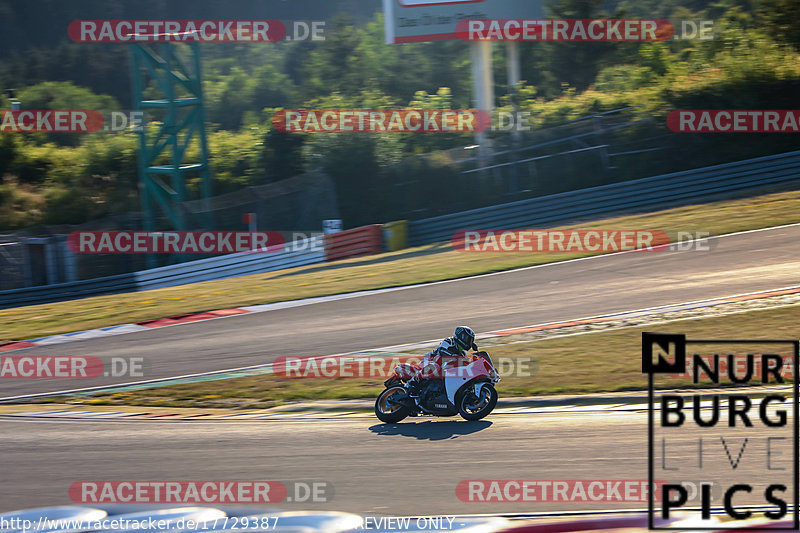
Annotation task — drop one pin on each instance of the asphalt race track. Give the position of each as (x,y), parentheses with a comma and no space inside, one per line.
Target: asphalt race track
(400,469)
(406,469)
(740,263)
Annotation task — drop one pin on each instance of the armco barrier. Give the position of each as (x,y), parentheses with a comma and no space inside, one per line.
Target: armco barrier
(655,192)
(67,291)
(220,267)
(228,266)
(366,240)
(666,190)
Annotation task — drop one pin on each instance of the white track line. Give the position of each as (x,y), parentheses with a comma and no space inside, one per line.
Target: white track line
(388,349)
(336,297)
(405,346)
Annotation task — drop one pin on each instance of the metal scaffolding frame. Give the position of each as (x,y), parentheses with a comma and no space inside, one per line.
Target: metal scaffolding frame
(168,89)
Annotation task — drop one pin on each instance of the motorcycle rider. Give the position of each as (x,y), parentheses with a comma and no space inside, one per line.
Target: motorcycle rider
(452,348)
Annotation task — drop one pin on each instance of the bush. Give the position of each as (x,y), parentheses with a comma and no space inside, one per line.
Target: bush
(19,208)
(66,206)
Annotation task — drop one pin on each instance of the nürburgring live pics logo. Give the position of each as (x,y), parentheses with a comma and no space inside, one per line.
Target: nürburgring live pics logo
(742,440)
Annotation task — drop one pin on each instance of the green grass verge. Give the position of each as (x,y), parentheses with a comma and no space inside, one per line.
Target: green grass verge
(417,265)
(597,362)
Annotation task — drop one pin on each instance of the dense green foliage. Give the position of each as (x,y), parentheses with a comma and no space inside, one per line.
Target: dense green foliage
(752,62)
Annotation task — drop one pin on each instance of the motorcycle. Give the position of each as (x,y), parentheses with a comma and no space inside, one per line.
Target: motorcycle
(457,389)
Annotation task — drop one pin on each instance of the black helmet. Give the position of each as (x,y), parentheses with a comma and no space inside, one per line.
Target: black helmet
(465,338)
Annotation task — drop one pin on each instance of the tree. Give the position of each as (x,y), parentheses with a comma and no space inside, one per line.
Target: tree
(781,20)
(64,95)
(283,154)
(554,67)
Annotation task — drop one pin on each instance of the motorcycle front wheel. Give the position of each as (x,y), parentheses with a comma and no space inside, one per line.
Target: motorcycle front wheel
(390,413)
(472,407)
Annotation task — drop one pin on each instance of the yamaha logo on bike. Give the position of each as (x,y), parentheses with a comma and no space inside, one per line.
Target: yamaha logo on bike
(722,417)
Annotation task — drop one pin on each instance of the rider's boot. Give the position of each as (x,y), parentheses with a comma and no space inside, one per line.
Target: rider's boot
(413,387)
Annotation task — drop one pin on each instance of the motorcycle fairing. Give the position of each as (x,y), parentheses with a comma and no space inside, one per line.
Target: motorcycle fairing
(456,377)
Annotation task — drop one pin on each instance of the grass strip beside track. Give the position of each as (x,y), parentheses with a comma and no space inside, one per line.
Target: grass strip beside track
(596,362)
(424,264)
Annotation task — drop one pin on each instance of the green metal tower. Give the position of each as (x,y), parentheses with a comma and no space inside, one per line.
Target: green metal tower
(167,87)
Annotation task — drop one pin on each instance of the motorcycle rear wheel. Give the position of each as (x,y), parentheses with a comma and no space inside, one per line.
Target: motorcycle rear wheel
(390,414)
(472,408)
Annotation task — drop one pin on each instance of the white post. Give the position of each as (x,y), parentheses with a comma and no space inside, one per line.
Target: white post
(70,261)
(252,227)
(514,77)
(483,83)
(512,50)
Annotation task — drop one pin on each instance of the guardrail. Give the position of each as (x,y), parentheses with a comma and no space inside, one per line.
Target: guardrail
(229,266)
(221,267)
(666,190)
(366,240)
(658,191)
